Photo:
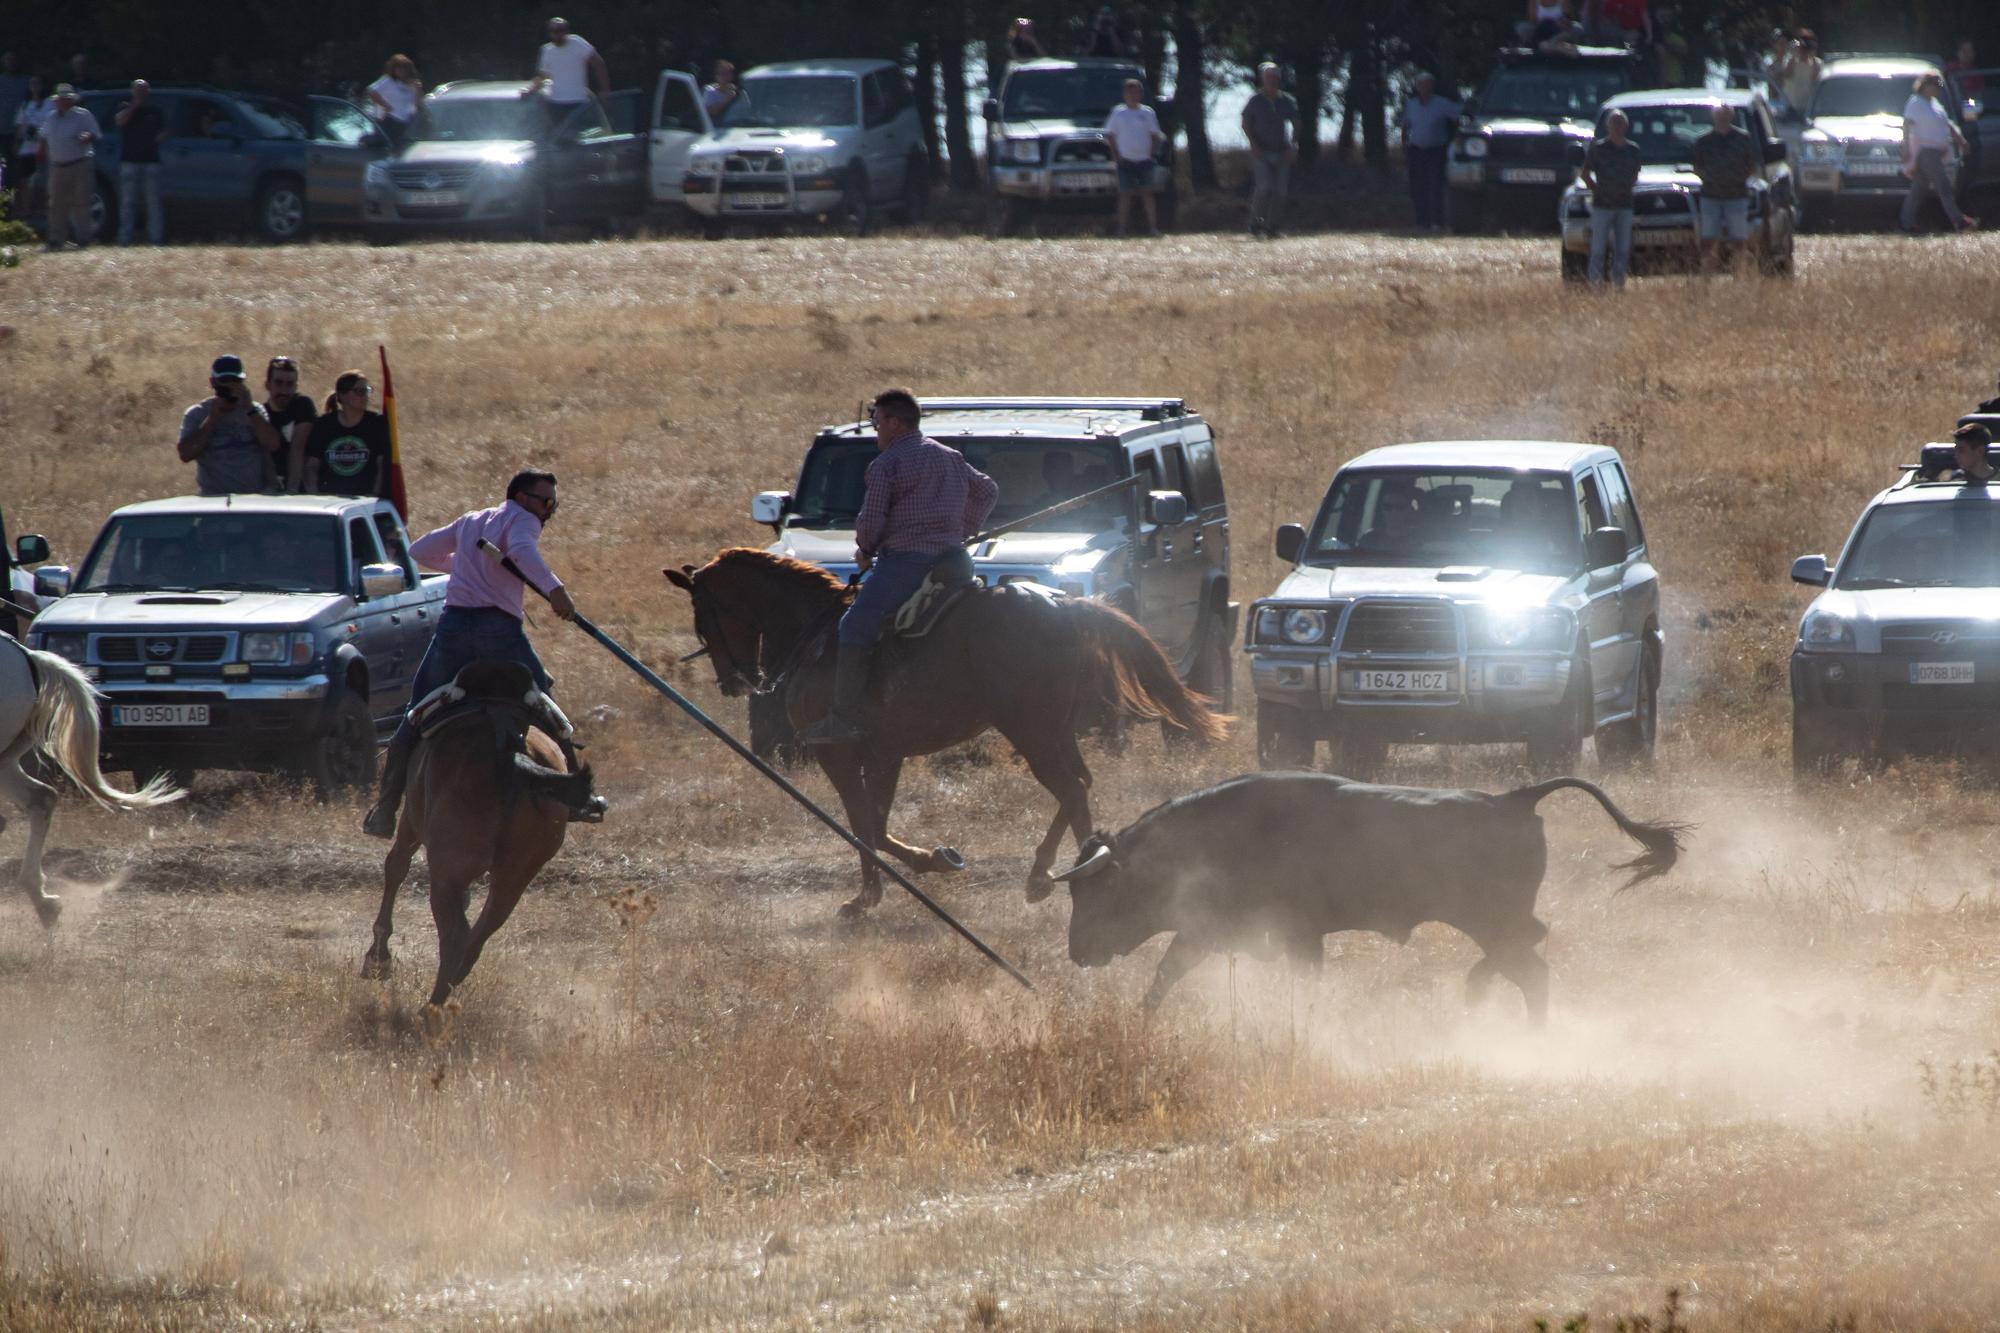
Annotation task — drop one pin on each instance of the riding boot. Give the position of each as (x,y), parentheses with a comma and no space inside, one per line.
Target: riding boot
(842,725)
(381,818)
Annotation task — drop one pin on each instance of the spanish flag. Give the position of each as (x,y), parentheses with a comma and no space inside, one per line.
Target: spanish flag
(398,496)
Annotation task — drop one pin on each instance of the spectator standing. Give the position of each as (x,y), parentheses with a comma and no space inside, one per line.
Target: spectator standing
(1626,22)
(1103,39)
(1429,121)
(719,96)
(1929,138)
(395,97)
(292,416)
(141,127)
(348,450)
(13,90)
(1725,159)
(1961,67)
(1271,124)
(26,129)
(568,72)
(68,140)
(1022,44)
(1134,131)
(1548,24)
(1610,170)
(1800,72)
(81,72)
(228,437)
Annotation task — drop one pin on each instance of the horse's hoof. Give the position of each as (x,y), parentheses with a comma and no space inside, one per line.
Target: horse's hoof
(48,908)
(947,859)
(1040,885)
(377,969)
(852,910)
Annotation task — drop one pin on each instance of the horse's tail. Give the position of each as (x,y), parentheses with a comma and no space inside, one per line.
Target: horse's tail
(1140,677)
(64,724)
(1661,841)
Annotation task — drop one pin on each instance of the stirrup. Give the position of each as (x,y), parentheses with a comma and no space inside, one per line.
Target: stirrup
(591,812)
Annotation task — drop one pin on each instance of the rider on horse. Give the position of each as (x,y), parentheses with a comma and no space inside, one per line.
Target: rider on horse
(923,501)
(482,621)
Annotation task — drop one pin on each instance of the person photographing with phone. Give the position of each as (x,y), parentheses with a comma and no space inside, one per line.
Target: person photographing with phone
(228,437)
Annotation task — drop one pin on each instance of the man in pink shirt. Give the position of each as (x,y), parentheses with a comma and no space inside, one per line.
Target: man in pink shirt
(482,621)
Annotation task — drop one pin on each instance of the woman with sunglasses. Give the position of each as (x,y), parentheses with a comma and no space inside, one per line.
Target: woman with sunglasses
(348,450)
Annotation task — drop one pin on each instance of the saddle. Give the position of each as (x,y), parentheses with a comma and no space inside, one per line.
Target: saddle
(503,691)
(949,579)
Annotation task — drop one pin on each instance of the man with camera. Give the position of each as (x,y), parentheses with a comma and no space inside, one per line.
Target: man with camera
(228,437)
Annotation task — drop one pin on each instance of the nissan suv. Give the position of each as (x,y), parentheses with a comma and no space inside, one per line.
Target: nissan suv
(1464,591)
(1900,651)
(1045,144)
(1851,149)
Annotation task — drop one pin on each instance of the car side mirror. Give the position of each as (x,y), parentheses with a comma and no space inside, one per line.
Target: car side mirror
(1291,541)
(990,109)
(1776,150)
(52,581)
(382,581)
(1166,508)
(1605,547)
(31,549)
(1811,570)
(770,507)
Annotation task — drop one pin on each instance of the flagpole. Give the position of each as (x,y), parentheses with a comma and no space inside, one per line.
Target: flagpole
(398,495)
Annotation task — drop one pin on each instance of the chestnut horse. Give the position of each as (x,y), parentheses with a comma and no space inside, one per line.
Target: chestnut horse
(479,805)
(1014,660)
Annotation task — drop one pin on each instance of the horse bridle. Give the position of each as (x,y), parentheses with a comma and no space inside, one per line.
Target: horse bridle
(759,683)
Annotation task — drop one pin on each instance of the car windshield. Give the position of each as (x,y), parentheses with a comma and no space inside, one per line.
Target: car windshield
(1953,544)
(472,119)
(1666,134)
(790,101)
(270,119)
(210,552)
(1086,93)
(1552,92)
(1862,95)
(1464,516)
(1031,474)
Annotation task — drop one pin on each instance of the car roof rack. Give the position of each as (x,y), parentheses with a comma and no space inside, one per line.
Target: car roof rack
(1146,409)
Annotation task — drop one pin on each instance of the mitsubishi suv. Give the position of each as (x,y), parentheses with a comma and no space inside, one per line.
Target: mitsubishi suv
(1045,145)
(1851,150)
(1465,591)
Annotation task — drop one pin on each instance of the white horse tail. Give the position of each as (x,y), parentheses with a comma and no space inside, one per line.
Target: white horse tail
(65,725)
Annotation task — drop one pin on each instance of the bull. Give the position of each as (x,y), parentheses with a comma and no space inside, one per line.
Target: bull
(1271,863)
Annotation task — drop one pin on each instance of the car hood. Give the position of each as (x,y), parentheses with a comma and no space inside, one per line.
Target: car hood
(1658,178)
(459,152)
(1858,129)
(1053,127)
(1524,125)
(835,546)
(217,610)
(756,136)
(1878,606)
(1461,583)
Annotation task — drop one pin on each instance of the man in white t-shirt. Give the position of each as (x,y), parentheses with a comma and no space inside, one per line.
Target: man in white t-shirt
(1929,140)
(1135,136)
(569,71)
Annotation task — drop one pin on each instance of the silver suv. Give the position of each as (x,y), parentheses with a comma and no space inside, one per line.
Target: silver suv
(1465,591)
(1045,144)
(813,139)
(1851,149)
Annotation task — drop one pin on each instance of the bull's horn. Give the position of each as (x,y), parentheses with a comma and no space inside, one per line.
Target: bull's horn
(1098,860)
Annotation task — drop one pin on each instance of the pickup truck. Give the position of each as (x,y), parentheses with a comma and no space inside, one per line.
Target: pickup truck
(264,633)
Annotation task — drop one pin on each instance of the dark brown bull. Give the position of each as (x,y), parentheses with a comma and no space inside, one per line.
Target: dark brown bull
(1273,862)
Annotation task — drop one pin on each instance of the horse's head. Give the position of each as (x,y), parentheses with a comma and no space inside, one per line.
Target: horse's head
(724,624)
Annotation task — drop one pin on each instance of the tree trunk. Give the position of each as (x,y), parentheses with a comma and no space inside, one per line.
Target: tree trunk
(1310,80)
(926,91)
(1152,43)
(1370,101)
(951,80)
(1190,95)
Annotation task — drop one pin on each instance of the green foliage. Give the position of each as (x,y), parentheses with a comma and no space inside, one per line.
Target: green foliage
(15,235)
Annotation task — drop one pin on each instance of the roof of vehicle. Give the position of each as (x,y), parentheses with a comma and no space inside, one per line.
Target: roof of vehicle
(1046,418)
(480,88)
(1879,66)
(1074,62)
(1686,97)
(1581,55)
(250,504)
(842,66)
(1530,455)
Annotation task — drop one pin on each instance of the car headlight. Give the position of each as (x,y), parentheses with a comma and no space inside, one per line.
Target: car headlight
(704,166)
(69,646)
(809,164)
(265,645)
(1021,151)
(1473,146)
(1823,631)
(1821,152)
(1523,629)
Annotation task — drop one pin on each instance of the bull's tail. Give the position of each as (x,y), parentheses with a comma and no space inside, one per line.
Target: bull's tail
(542,783)
(1141,679)
(1661,841)
(64,724)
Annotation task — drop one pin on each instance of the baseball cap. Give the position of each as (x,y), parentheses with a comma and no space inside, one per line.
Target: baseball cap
(65,90)
(226,368)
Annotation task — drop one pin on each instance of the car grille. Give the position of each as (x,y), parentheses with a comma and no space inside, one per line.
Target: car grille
(155,648)
(430,178)
(766,164)
(1545,149)
(1082,150)
(1900,697)
(1922,638)
(1660,202)
(1401,627)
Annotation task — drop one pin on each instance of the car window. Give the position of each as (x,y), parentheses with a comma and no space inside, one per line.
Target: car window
(791,101)
(1205,473)
(1951,544)
(1666,134)
(1590,503)
(269,118)
(203,118)
(337,122)
(1424,518)
(161,552)
(896,92)
(366,550)
(874,109)
(678,108)
(472,119)
(1624,513)
(587,122)
(393,545)
(1032,475)
(1569,92)
(1086,93)
(1173,472)
(1862,95)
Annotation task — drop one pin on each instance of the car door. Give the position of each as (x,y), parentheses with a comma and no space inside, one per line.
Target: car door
(342,143)
(1638,582)
(1153,598)
(378,634)
(1181,556)
(574,166)
(205,167)
(410,619)
(878,138)
(1602,617)
(679,119)
(1784,191)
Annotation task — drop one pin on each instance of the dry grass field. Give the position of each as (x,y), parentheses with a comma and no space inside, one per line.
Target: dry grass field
(678,1094)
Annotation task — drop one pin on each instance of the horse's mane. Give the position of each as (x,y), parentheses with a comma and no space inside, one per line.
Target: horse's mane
(796,571)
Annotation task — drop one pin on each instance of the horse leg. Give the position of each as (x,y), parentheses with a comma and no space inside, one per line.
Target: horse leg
(395,868)
(882,775)
(503,894)
(842,766)
(451,887)
(1058,765)
(39,800)
(1524,967)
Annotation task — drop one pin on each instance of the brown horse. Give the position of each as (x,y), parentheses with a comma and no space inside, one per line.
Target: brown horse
(1014,660)
(480,803)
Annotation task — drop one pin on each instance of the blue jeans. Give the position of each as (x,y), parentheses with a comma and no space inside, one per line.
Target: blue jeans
(466,635)
(1726,218)
(1271,179)
(1427,167)
(136,179)
(891,580)
(1610,228)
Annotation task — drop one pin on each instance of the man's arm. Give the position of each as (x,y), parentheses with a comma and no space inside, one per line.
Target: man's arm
(195,435)
(124,114)
(1584,173)
(521,544)
(874,515)
(295,454)
(981,494)
(600,75)
(434,550)
(267,434)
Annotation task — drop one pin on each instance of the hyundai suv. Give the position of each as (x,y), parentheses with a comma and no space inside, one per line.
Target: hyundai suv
(1464,591)
(1045,143)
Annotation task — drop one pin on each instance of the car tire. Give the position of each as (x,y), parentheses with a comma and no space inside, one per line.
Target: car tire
(857,210)
(104,211)
(1631,742)
(1284,740)
(1575,268)
(1353,753)
(1215,674)
(341,759)
(916,206)
(1555,741)
(1468,213)
(1815,753)
(281,211)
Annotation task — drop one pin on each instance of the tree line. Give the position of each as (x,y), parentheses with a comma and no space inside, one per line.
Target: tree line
(1348,59)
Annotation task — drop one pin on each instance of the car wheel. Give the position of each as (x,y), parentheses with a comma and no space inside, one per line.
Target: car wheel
(857,211)
(916,189)
(1284,741)
(1468,213)
(1215,674)
(1555,742)
(1815,753)
(1353,753)
(281,211)
(1576,268)
(1631,741)
(104,212)
(341,759)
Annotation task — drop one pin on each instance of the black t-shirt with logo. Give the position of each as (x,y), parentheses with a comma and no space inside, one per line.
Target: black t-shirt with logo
(299,410)
(353,460)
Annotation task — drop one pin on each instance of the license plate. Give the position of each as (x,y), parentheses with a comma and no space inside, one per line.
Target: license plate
(1528,176)
(159,715)
(1402,682)
(755,199)
(1874,168)
(1086,180)
(433,198)
(1940,673)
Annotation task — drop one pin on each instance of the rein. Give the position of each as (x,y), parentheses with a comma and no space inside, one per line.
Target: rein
(759,682)
(809,638)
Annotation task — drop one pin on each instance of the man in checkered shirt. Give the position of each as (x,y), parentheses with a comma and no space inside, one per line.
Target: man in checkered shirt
(923,501)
